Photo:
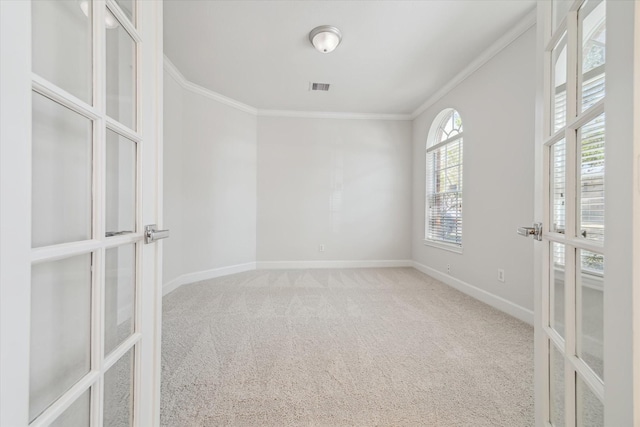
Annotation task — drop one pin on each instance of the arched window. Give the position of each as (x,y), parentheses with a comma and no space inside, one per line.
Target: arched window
(443,211)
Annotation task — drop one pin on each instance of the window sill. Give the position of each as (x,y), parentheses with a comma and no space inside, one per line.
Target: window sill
(446,246)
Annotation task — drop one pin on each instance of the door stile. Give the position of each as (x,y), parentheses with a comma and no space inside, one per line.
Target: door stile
(99,221)
(15,209)
(150,90)
(570,217)
(541,252)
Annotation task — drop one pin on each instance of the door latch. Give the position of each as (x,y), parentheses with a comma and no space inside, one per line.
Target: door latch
(535,231)
(151,233)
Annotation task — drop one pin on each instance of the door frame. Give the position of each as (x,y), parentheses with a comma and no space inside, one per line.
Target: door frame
(15,210)
(622,217)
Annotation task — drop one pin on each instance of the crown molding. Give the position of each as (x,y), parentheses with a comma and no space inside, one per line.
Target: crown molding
(520,28)
(332,115)
(192,87)
(173,71)
(509,37)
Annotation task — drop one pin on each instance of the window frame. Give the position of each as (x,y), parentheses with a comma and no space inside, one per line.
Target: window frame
(433,144)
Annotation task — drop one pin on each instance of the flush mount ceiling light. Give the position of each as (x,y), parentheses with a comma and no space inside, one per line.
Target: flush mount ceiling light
(325,38)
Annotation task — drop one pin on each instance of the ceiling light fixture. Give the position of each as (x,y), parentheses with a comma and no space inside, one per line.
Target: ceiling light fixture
(325,38)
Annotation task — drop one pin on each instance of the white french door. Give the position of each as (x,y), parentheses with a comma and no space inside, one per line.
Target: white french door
(584,297)
(81,143)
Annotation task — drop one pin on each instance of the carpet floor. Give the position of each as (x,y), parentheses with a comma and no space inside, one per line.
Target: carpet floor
(344,347)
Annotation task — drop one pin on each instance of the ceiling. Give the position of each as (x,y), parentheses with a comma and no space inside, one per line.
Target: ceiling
(394,54)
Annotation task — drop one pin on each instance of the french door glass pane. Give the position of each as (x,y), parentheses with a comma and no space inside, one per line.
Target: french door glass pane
(61,171)
(591,153)
(60,328)
(556,387)
(119,294)
(590,300)
(589,409)
(76,415)
(557,283)
(559,85)
(558,185)
(591,18)
(121,185)
(560,10)
(127,8)
(61,45)
(118,392)
(121,74)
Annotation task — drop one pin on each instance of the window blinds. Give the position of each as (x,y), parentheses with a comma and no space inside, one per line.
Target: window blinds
(444,193)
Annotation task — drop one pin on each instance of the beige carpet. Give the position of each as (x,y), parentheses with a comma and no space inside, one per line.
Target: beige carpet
(360,347)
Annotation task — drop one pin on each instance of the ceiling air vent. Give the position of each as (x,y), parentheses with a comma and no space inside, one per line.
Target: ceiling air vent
(320,86)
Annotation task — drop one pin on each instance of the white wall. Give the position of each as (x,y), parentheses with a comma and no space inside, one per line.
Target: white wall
(209,185)
(219,192)
(497,107)
(342,183)
(172,183)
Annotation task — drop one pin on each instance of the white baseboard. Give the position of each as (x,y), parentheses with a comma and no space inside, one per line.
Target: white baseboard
(277,265)
(205,275)
(494,301)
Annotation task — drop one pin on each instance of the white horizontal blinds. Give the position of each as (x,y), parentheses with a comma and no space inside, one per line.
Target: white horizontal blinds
(559,85)
(593,53)
(444,181)
(591,140)
(558,185)
(591,136)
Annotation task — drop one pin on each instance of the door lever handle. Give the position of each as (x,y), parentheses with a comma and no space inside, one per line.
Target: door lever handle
(526,231)
(151,234)
(535,231)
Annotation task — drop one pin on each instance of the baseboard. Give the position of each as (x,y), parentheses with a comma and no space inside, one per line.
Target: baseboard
(494,301)
(277,265)
(205,275)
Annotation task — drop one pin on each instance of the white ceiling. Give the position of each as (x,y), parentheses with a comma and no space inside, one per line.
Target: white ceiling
(394,54)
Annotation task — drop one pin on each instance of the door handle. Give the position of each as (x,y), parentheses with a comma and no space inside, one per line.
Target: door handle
(151,233)
(535,231)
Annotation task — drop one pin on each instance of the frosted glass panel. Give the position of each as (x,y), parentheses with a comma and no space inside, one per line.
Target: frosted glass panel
(559,85)
(557,281)
(591,18)
(589,410)
(121,74)
(61,50)
(119,294)
(121,185)
(61,187)
(591,303)
(60,328)
(76,415)
(591,149)
(558,185)
(118,392)
(556,385)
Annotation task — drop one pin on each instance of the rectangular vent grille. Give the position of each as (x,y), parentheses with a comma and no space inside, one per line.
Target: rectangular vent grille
(320,86)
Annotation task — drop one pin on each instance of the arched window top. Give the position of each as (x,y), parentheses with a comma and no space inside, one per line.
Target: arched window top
(444,155)
(446,125)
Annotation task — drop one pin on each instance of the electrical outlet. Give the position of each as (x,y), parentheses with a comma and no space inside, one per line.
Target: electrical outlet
(501,275)
(321,248)
(448,268)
